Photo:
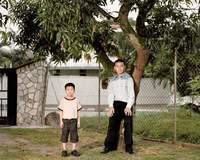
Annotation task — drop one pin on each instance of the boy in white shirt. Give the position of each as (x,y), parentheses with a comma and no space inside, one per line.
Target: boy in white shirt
(121,97)
(69,110)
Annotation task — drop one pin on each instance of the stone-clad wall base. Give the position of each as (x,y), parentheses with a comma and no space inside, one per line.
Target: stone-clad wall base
(31,93)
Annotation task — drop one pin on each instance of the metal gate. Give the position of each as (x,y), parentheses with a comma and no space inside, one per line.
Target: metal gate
(8,96)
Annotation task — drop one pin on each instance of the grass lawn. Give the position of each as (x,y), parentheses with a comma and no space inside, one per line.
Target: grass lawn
(43,144)
(158,125)
(161,125)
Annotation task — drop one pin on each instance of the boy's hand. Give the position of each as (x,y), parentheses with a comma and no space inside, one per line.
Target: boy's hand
(61,124)
(78,124)
(111,111)
(127,111)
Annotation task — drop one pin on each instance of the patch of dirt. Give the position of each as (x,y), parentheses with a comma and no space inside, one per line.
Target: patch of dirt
(25,144)
(5,140)
(91,145)
(21,141)
(149,150)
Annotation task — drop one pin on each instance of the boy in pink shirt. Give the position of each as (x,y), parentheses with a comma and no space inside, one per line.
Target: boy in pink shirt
(69,110)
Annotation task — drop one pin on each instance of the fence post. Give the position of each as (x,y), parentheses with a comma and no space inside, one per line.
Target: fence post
(175,96)
(99,96)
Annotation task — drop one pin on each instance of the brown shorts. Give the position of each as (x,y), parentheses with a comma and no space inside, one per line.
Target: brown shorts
(69,128)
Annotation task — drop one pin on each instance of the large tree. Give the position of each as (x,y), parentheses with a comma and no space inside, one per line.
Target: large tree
(67,28)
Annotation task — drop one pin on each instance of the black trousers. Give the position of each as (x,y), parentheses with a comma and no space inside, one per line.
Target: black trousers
(112,139)
(69,128)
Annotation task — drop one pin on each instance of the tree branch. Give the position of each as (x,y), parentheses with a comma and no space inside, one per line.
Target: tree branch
(138,3)
(125,25)
(142,15)
(100,47)
(104,13)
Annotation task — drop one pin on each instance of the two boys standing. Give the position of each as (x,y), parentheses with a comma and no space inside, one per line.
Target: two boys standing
(121,97)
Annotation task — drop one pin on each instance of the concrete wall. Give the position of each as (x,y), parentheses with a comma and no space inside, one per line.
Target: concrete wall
(31,93)
(87,90)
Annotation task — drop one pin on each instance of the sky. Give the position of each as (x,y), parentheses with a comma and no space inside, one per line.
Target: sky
(114,7)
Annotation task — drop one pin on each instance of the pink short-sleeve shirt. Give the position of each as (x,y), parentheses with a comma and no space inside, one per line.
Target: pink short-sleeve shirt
(70,107)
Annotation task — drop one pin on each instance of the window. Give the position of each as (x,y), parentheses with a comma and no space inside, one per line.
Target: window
(56,72)
(83,72)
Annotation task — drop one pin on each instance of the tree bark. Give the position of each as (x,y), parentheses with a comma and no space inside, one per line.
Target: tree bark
(140,63)
(142,54)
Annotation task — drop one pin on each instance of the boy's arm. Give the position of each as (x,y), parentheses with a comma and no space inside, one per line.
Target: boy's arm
(131,97)
(61,115)
(79,107)
(60,109)
(131,93)
(110,95)
(78,119)
(110,99)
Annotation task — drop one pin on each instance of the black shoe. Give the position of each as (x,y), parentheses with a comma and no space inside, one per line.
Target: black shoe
(64,153)
(130,151)
(106,150)
(75,153)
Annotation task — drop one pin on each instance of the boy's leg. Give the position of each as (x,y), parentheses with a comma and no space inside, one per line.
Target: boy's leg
(64,146)
(112,137)
(74,137)
(128,133)
(74,146)
(73,132)
(64,134)
(64,137)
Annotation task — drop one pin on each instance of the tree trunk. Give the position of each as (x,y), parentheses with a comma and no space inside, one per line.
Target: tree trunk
(142,54)
(140,63)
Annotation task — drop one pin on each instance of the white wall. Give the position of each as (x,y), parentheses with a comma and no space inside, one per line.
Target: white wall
(87,91)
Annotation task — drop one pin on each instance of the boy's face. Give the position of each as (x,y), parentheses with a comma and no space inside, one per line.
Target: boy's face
(69,91)
(119,67)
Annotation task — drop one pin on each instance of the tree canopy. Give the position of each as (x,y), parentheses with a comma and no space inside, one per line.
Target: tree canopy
(66,29)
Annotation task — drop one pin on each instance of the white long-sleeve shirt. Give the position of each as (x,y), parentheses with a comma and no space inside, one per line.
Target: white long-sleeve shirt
(121,88)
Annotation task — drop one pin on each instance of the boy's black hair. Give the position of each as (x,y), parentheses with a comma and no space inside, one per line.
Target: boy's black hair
(70,85)
(119,60)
